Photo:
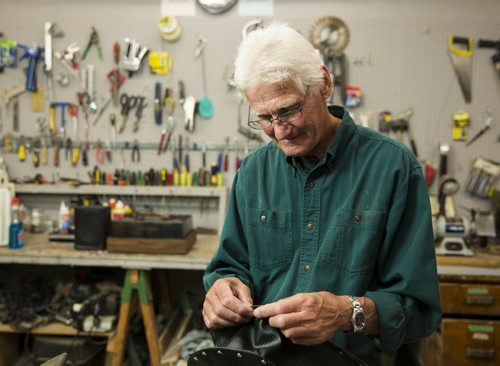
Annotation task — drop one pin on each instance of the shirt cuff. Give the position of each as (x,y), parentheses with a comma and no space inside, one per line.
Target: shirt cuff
(391,320)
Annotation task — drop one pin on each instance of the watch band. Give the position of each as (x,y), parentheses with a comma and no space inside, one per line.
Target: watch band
(358,318)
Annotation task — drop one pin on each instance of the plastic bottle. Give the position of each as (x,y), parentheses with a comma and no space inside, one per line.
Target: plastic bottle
(64,218)
(16,229)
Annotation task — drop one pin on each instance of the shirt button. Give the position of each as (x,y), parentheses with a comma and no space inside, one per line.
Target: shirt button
(307,268)
(310,227)
(357,218)
(310,185)
(263,218)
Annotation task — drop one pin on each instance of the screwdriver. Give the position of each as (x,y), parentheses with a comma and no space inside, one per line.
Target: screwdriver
(486,127)
(116,83)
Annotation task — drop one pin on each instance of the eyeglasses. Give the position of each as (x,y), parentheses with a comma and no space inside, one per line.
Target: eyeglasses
(266,122)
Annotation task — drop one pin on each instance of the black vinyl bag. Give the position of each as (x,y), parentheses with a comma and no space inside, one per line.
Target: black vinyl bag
(257,343)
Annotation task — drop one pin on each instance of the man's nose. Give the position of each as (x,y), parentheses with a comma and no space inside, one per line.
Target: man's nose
(280,129)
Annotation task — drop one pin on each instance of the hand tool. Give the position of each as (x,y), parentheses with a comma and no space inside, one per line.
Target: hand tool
(102,109)
(112,122)
(15,114)
(93,41)
(91,102)
(116,73)
(85,153)
(21,149)
(44,153)
(189,105)
(403,119)
(330,35)
(108,150)
(57,151)
(99,152)
(73,112)
(444,150)
(487,125)
(133,56)
(205,106)
(226,155)
(461,59)
(37,143)
(461,122)
(166,135)
(136,153)
(8,143)
(63,106)
(75,156)
(158,104)
(495,59)
(68,58)
(8,53)
(141,104)
(33,54)
(127,102)
(50,30)
(68,148)
(37,100)
(8,94)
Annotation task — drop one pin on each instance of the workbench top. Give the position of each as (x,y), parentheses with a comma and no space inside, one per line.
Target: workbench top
(39,250)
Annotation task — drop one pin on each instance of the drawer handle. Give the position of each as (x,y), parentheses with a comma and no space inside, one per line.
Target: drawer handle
(479,300)
(480,352)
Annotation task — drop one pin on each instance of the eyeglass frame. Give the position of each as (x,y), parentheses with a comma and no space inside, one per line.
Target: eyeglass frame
(256,124)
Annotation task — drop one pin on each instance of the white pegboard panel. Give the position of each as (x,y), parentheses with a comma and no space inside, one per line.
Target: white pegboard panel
(397,54)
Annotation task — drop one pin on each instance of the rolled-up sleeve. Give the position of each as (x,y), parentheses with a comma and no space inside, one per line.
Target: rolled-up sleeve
(231,257)
(406,291)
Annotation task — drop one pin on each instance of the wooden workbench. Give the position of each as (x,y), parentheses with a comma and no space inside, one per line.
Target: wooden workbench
(40,251)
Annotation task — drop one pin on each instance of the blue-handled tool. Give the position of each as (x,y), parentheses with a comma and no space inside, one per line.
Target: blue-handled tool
(33,54)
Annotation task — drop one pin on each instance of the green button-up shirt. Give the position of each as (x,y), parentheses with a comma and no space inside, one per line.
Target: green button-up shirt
(356,223)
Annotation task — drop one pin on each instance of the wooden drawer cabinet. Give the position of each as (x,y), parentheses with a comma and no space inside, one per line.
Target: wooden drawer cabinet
(469,334)
(470,299)
(470,342)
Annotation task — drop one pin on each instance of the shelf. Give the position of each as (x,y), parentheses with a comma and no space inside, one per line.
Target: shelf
(219,193)
(54,329)
(91,189)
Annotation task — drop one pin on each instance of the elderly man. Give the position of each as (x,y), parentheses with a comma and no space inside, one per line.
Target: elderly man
(328,226)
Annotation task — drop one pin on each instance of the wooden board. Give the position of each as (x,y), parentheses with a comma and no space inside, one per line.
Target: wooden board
(151,246)
(477,260)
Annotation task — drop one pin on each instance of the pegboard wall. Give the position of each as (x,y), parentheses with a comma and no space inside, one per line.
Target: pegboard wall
(397,54)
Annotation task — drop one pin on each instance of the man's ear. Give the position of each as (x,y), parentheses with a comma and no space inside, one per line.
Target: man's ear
(327,87)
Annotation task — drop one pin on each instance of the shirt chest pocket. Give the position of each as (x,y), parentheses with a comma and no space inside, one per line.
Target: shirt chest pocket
(269,235)
(353,240)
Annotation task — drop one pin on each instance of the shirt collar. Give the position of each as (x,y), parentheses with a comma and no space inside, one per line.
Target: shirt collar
(340,140)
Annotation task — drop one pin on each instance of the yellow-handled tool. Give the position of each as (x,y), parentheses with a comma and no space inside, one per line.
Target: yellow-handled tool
(460,51)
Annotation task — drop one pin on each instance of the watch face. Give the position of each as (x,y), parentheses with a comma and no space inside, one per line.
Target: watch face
(359,320)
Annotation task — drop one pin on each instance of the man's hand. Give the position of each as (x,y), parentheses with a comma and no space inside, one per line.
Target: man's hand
(308,318)
(227,303)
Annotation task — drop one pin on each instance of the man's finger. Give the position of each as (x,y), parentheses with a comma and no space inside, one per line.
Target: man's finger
(288,305)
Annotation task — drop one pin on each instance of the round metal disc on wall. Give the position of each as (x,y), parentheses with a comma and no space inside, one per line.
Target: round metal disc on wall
(330,33)
(216,6)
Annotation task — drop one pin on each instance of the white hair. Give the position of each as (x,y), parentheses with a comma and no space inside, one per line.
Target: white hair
(277,53)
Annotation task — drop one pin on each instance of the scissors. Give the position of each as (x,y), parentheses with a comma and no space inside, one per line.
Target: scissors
(127,102)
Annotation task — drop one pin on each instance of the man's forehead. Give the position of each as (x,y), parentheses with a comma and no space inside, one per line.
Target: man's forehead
(266,92)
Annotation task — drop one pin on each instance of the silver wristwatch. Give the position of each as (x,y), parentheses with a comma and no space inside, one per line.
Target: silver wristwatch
(358,318)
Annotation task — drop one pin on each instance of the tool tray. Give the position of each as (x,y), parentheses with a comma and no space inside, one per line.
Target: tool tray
(152,234)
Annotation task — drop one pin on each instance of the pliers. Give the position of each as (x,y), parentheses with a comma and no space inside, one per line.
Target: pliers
(136,153)
(166,134)
(93,40)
